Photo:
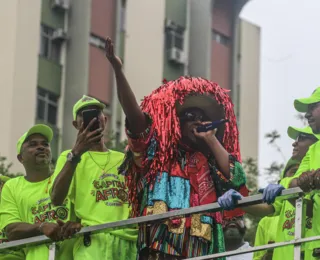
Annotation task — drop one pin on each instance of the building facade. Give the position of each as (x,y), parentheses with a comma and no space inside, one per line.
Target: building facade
(247,88)
(53,54)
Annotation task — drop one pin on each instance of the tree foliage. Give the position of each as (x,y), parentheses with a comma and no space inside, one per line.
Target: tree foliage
(5,168)
(272,174)
(115,144)
(301,117)
(251,168)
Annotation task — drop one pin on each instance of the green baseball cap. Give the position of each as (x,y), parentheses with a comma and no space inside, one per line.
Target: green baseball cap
(44,130)
(293,132)
(289,164)
(84,102)
(301,104)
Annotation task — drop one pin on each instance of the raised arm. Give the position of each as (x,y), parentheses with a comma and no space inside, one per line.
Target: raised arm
(136,119)
(65,169)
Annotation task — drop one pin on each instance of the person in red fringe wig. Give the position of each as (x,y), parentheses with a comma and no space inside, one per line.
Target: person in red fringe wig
(171,165)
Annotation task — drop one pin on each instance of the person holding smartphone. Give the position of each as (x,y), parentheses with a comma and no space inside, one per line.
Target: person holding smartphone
(88,175)
(172,164)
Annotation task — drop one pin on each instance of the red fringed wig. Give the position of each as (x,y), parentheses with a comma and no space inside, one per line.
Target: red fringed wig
(161,107)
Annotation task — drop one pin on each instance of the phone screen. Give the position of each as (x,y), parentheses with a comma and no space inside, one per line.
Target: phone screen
(88,115)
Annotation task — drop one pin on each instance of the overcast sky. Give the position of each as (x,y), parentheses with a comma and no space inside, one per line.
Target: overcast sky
(290,66)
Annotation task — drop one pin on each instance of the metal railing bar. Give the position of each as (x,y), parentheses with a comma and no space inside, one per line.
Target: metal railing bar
(257,248)
(213,207)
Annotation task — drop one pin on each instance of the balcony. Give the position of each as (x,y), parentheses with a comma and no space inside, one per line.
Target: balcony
(49,75)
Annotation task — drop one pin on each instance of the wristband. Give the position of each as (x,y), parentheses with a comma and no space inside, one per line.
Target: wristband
(40,227)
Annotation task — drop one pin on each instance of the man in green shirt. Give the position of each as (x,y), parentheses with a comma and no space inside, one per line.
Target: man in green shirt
(26,209)
(88,175)
(308,174)
(8,254)
(282,212)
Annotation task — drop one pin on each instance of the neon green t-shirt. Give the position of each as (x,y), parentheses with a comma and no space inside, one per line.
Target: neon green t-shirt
(98,191)
(286,225)
(311,162)
(266,232)
(286,229)
(29,202)
(10,254)
(315,230)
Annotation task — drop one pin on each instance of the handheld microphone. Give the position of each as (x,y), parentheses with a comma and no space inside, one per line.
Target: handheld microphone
(211,126)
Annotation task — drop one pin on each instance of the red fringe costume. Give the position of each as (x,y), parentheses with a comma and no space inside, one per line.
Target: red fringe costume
(174,177)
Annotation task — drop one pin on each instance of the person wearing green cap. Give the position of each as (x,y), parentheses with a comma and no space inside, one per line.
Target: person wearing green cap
(281,214)
(8,254)
(307,176)
(304,138)
(26,209)
(88,175)
(268,226)
(310,106)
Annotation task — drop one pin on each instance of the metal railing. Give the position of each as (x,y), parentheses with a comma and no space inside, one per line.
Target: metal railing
(294,193)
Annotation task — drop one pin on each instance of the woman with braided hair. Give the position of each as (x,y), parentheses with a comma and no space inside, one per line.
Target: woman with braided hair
(171,165)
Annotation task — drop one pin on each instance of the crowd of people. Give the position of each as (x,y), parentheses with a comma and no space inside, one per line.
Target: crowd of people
(183,151)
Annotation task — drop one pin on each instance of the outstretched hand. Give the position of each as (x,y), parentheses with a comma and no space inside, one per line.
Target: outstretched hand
(270,193)
(229,200)
(113,59)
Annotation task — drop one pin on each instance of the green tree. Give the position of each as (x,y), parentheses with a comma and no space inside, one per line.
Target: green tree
(5,168)
(273,175)
(301,117)
(114,144)
(274,170)
(251,168)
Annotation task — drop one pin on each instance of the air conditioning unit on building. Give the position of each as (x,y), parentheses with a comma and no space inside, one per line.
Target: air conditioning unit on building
(177,56)
(169,24)
(61,4)
(59,35)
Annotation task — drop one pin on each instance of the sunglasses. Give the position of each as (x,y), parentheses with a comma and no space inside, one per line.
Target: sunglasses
(190,116)
(302,137)
(312,107)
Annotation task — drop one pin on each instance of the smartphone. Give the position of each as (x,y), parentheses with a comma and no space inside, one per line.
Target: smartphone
(88,115)
(211,126)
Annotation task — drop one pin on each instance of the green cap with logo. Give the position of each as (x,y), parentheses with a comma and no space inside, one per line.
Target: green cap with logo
(301,104)
(44,130)
(293,132)
(86,101)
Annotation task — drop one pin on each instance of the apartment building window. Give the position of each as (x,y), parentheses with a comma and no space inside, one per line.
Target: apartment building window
(49,48)
(220,38)
(97,41)
(47,106)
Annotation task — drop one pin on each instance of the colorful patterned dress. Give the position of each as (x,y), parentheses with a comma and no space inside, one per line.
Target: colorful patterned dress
(192,180)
